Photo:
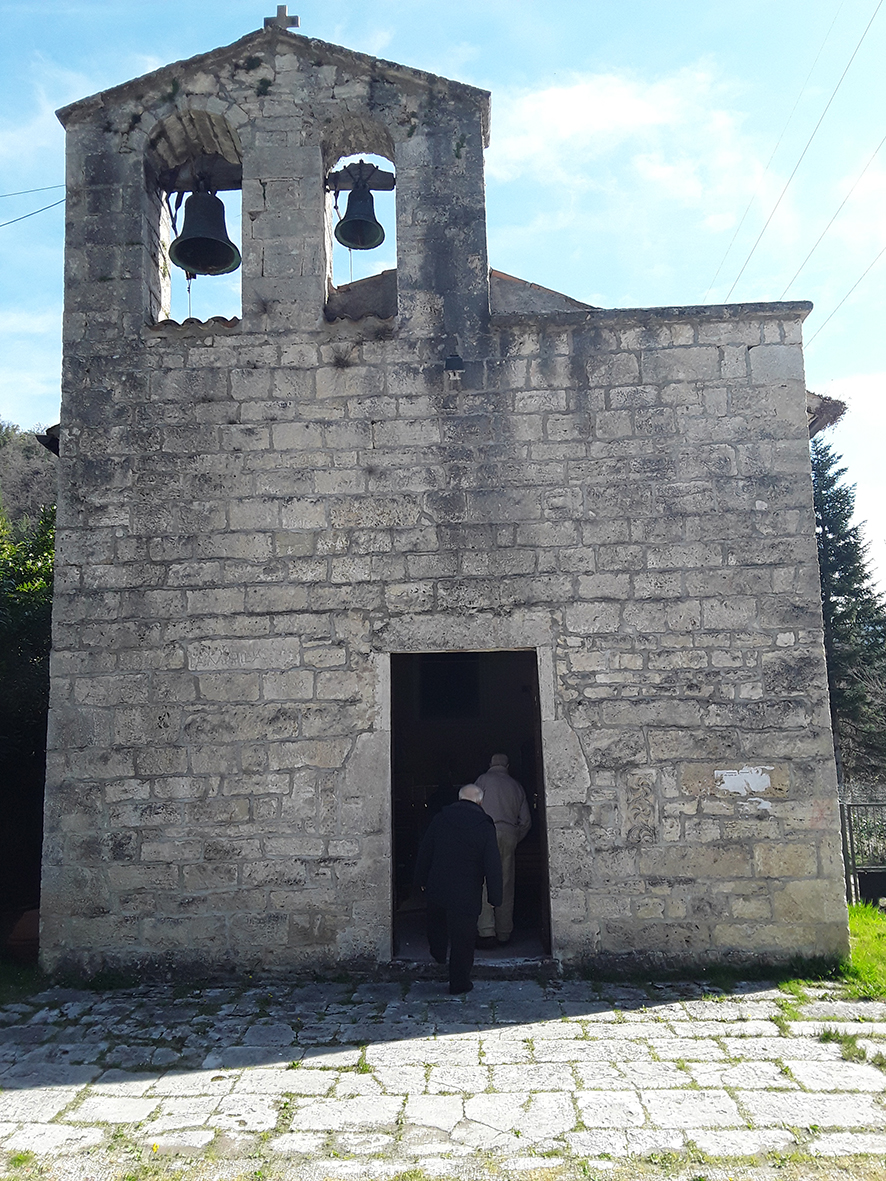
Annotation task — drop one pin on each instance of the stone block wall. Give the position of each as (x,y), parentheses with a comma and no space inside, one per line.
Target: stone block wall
(220,776)
(255,515)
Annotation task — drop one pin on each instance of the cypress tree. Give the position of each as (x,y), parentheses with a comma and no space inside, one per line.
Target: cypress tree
(854,625)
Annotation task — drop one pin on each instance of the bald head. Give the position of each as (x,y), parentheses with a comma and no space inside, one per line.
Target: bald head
(471,792)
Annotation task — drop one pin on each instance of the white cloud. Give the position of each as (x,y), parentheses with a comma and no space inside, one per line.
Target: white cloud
(377,42)
(672,129)
(552,131)
(27,398)
(460,56)
(30,323)
(23,142)
(658,168)
(145,63)
(35,135)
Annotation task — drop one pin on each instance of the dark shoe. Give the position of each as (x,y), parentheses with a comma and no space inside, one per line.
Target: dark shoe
(460,991)
(486,941)
(439,959)
(503,942)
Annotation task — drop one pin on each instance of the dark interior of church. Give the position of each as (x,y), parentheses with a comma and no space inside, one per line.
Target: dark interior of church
(451,711)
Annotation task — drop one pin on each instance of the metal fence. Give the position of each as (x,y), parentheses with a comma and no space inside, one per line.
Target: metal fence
(864,851)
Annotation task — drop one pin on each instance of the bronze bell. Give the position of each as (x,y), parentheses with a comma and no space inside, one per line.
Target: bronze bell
(203,247)
(360,229)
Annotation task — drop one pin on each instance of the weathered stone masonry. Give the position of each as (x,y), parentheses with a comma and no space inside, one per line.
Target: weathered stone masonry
(255,514)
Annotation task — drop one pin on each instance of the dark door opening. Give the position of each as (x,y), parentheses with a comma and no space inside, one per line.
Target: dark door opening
(451,711)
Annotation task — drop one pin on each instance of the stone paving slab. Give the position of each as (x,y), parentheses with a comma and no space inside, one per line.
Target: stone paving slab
(183,1142)
(183,1113)
(746,1075)
(846,1010)
(695,1109)
(836,1076)
(741,1141)
(52,1140)
(519,1074)
(705,1028)
(848,1144)
(800,1046)
(855,1028)
(799,1110)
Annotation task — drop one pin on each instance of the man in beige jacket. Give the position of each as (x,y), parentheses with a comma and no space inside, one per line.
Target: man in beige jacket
(505,801)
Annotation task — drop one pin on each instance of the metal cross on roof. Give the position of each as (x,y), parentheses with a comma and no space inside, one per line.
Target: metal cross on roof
(282,20)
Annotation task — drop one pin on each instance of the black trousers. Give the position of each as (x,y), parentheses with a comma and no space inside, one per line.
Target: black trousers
(456,933)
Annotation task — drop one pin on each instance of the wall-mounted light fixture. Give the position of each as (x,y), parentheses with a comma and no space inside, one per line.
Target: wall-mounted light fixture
(454,367)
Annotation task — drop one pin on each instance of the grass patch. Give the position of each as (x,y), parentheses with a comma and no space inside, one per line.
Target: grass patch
(19,1160)
(795,989)
(863,974)
(865,970)
(284,1117)
(780,1021)
(152,1171)
(796,1165)
(848,1043)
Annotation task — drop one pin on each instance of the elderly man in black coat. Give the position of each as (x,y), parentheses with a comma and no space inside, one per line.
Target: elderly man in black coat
(457,853)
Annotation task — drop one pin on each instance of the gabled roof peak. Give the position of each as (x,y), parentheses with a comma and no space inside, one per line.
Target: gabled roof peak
(275,40)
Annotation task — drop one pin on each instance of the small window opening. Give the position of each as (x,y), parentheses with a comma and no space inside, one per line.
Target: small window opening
(348,266)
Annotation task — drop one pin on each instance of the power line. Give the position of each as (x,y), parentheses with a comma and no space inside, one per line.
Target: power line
(870,267)
(805,150)
(772,154)
(836,215)
(22,192)
(31,214)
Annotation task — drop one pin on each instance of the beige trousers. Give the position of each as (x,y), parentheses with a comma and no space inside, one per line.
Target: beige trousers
(499,920)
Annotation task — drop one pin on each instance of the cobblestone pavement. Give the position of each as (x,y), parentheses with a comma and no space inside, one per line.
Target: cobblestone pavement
(374,1079)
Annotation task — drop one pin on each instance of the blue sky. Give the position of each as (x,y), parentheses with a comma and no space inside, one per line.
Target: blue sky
(638,149)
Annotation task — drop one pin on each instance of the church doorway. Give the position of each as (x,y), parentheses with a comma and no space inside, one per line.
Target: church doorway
(451,711)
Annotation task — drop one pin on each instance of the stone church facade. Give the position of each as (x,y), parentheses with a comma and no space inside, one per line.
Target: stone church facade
(276,531)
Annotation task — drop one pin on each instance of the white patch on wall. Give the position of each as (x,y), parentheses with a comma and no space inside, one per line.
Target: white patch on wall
(749,782)
(754,806)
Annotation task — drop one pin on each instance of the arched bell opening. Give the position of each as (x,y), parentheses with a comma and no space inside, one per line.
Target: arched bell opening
(362,217)
(194,166)
(360,282)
